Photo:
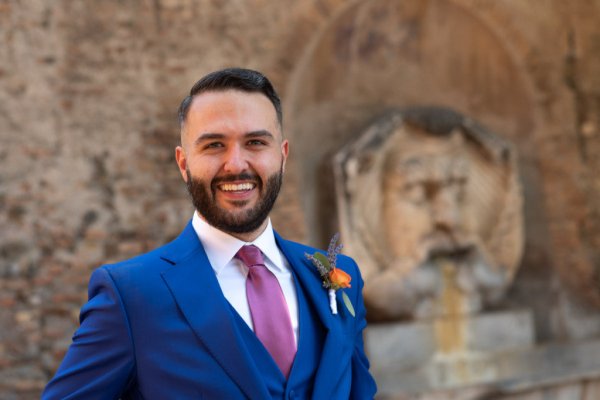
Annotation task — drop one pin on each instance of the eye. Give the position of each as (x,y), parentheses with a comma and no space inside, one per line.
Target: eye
(256,142)
(213,145)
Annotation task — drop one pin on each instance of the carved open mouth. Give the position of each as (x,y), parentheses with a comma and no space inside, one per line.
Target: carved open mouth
(446,245)
(457,254)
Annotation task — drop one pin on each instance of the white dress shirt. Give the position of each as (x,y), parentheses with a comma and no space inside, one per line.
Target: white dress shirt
(221,248)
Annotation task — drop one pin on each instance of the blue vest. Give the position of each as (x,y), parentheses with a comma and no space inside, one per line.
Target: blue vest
(310,344)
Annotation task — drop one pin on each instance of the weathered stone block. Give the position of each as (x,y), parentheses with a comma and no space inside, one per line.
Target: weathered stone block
(405,345)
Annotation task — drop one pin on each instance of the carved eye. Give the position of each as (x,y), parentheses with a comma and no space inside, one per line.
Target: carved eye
(458,186)
(415,193)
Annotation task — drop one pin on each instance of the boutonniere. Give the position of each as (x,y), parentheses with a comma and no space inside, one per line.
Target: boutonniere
(334,278)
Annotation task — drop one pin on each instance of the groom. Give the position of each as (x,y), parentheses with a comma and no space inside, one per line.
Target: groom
(229,309)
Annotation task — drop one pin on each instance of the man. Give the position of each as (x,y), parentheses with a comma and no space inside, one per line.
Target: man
(194,319)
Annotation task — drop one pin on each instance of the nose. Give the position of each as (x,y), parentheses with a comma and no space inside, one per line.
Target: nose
(445,210)
(235,160)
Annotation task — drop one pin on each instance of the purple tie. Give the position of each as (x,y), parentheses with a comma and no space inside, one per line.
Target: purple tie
(268,309)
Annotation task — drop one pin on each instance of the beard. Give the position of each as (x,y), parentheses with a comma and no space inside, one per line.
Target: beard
(203,196)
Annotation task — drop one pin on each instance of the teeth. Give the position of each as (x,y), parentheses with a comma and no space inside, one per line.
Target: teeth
(229,187)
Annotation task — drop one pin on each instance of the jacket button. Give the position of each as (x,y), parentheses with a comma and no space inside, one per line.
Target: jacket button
(292,395)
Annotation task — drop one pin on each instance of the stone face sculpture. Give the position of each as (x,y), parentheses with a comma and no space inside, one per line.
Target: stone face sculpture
(428,201)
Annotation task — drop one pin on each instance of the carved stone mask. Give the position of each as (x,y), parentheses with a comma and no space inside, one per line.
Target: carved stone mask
(422,186)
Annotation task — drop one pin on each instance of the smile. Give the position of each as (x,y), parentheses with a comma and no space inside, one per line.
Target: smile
(239,187)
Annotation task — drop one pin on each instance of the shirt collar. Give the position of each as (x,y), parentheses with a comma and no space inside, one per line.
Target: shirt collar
(221,247)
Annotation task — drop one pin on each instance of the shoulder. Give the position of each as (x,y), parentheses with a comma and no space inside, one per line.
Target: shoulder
(136,264)
(343,261)
(296,246)
(185,245)
(139,277)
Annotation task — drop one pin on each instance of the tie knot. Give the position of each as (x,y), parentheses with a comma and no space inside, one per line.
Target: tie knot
(250,255)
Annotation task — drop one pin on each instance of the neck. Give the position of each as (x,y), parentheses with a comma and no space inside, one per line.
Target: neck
(243,236)
(250,236)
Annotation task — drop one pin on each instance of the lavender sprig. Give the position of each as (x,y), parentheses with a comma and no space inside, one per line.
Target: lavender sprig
(333,250)
(323,271)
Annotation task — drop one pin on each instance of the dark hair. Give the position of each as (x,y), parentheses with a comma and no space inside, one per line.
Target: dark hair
(245,80)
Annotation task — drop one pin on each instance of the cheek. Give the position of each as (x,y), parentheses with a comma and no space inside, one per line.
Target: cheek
(266,168)
(202,169)
(406,222)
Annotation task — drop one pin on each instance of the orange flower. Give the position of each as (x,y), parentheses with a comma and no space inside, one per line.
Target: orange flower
(339,279)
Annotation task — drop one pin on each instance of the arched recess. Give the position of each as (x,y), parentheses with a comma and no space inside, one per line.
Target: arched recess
(381,54)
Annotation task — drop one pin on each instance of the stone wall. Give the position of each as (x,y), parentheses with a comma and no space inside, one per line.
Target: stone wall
(89,89)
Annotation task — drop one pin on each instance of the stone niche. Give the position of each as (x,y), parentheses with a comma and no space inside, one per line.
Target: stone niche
(430,205)
(481,302)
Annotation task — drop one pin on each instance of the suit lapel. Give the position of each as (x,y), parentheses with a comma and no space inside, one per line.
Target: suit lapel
(194,286)
(335,349)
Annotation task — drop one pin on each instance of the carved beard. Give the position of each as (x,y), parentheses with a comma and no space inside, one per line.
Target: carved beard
(203,198)
(480,280)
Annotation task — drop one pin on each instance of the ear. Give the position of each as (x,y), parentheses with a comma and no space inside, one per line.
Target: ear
(181,162)
(285,149)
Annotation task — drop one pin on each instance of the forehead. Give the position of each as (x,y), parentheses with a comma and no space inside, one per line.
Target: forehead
(427,158)
(211,109)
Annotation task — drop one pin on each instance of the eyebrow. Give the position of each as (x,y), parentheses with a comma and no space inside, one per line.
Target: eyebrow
(260,133)
(215,136)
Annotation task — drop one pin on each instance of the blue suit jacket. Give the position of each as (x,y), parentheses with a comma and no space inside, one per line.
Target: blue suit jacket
(158,327)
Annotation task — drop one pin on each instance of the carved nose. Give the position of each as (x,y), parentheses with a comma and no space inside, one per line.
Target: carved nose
(446,216)
(444,226)
(446,220)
